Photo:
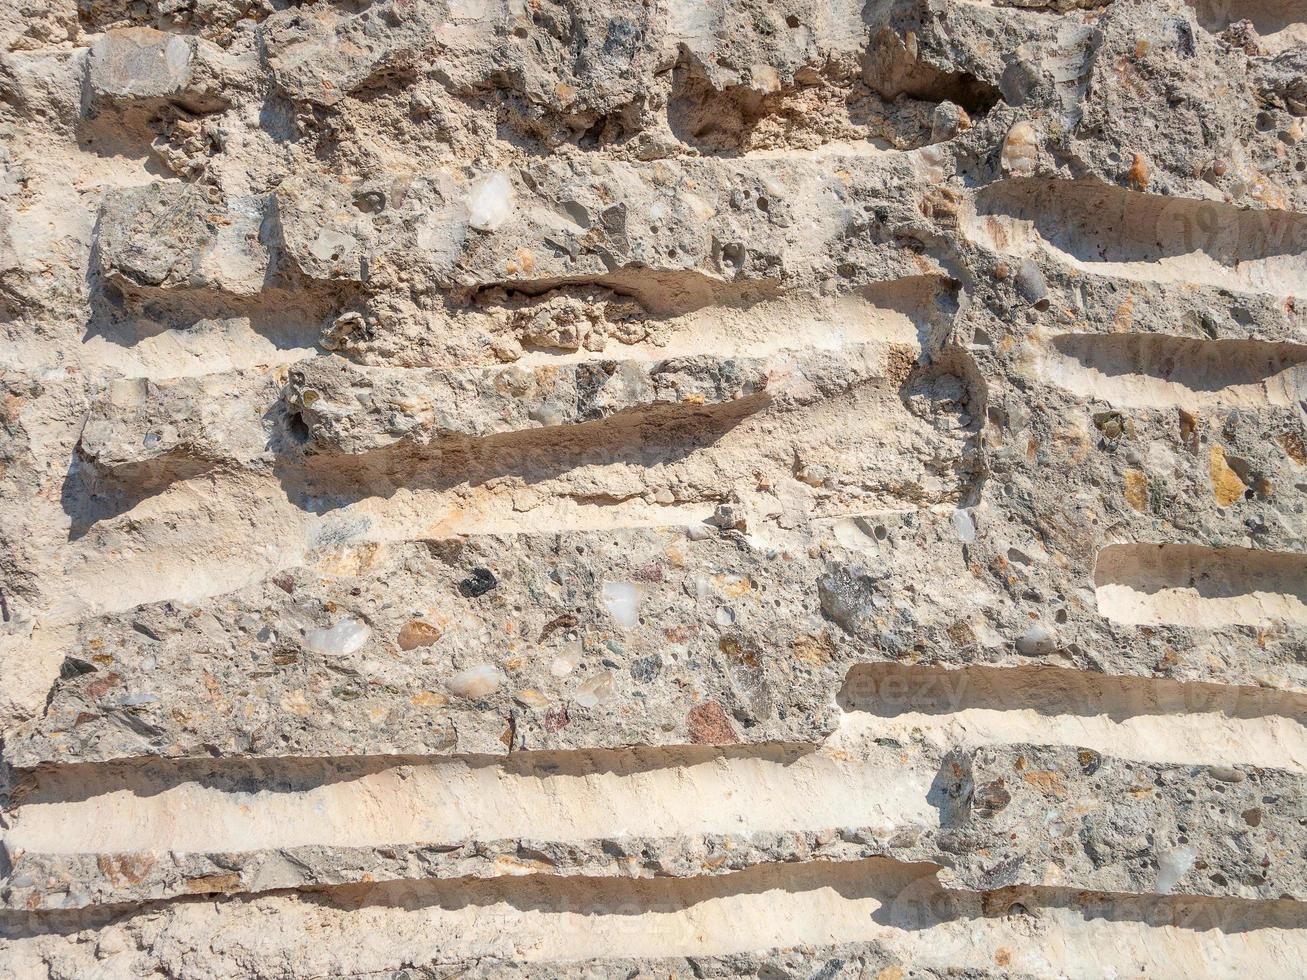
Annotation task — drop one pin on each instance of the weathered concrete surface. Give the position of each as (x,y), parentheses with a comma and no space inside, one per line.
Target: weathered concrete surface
(642,489)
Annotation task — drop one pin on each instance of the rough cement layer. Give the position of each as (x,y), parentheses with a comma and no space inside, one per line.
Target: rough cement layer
(671,488)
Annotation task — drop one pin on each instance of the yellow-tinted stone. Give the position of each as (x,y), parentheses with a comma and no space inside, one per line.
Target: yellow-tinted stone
(1136,490)
(1226,485)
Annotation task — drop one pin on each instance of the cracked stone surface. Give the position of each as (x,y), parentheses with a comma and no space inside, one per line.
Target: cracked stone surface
(506,488)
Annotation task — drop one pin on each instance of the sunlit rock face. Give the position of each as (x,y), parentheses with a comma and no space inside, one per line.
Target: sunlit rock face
(661,489)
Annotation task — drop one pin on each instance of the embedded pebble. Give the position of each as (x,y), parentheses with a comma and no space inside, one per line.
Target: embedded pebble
(1227,774)
(1172,865)
(490,202)
(1036,641)
(416,634)
(344,637)
(595,691)
(476,682)
(622,600)
(965,525)
(566,661)
(1020,152)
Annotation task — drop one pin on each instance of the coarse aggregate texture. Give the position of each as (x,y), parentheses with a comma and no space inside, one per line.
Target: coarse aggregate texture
(653,488)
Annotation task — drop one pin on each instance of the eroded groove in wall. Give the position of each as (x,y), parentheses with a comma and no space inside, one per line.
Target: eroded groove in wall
(1158,719)
(1111,231)
(1281,23)
(1200,587)
(1160,371)
(877,912)
(87,834)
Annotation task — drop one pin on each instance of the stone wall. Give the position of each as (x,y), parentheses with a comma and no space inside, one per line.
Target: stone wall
(645,488)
